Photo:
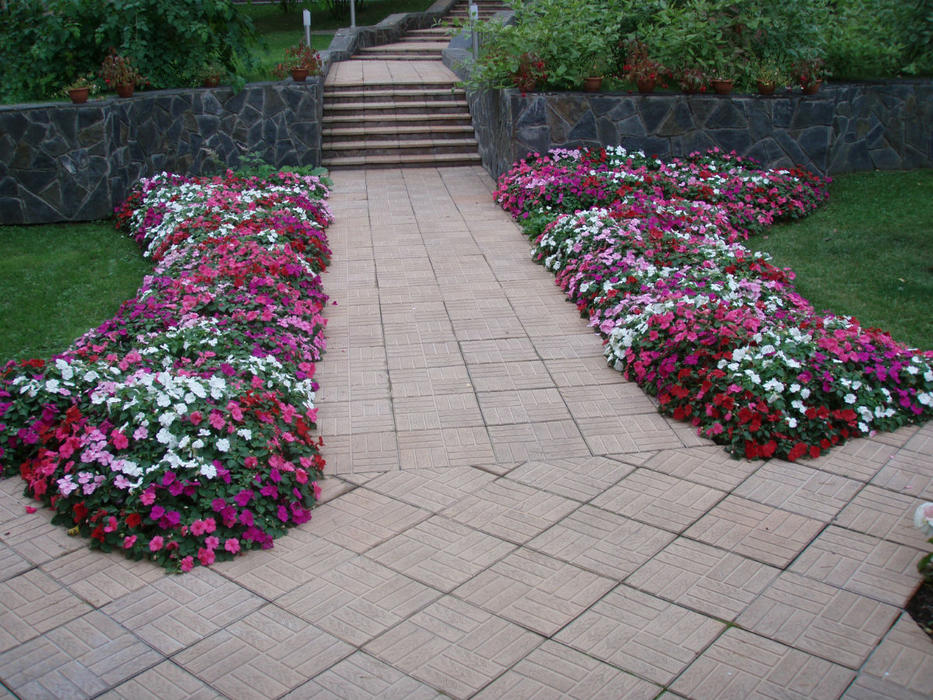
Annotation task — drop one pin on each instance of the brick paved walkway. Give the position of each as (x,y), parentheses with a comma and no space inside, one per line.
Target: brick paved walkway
(507,518)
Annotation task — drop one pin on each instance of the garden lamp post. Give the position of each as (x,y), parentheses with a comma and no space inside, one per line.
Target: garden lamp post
(352,13)
(306,17)
(474,15)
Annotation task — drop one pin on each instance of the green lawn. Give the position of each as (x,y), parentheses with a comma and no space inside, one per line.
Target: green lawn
(279,30)
(58,281)
(867,253)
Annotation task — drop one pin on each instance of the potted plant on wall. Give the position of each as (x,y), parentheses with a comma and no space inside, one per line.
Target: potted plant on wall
(300,61)
(119,73)
(210,74)
(81,88)
(767,76)
(640,68)
(809,73)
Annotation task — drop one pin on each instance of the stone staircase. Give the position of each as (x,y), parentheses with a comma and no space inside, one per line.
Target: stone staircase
(487,8)
(397,124)
(401,122)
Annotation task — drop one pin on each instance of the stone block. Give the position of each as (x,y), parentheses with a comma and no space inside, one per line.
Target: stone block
(654,111)
(726,115)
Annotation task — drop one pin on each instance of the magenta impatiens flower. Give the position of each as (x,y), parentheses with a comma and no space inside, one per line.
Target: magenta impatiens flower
(179,406)
(651,252)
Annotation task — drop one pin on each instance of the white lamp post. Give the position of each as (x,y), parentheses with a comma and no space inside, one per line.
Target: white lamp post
(352,13)
(306,17)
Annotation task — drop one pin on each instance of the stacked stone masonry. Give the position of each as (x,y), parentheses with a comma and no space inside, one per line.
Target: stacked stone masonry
(843,128)
(64,162)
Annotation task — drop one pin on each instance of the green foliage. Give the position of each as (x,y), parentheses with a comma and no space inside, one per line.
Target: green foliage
(727,38)
(253,165)
(45,44)
(574,39)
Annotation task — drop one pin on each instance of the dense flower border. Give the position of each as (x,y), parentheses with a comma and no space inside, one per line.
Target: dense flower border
(181,429)
(651,253)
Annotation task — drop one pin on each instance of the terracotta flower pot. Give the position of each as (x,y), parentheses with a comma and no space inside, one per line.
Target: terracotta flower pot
(766,87)
(593,83)
(645,84)
(125,89)
(722,87)
(811,88)
(79,95)
(210,82)
(299,75)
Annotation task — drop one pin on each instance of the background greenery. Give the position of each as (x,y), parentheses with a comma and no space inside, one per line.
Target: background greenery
(868,253)
(858,39)
(46,44)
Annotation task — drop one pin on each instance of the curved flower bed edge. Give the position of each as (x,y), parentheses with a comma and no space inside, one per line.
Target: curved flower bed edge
(181,430)
(650,252)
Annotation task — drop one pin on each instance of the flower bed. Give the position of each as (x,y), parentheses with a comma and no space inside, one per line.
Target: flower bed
(181,429)
(651,253)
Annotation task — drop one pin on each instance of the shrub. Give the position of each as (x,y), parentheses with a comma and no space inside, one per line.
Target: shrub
(45,44)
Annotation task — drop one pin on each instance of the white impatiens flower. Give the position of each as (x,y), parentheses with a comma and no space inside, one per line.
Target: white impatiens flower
(849,398)
(223,445)
(923,518)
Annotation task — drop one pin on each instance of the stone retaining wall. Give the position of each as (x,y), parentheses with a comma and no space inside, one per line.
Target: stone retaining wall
(64,162)
(843,128)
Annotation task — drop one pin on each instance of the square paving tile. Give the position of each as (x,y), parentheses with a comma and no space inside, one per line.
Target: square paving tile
(862,564)
(710,465)
(163,682)
(11,563)
(441,552)
(569,346)
(582,371)
(296,558)
(33,536)
(709,580)
(743,665)
(177,611)
(361,676)
(921,442)
(358,600)
(538,441)
(431,489)
(33,603)
(608,544)
(534,590)
(100,578)
(815,617)
(579,478)
(369,452)
(454,646)
(477,352)
(364,518)
(901,667)
(522,406)
(659,499)
(799,489)
(266,654)
(510,376)
(79,659)
(631,433)
(858,459)
(909,473)
(885,514)
(641,634)
(554,670)
(757,531)
(607,400)
(510,510)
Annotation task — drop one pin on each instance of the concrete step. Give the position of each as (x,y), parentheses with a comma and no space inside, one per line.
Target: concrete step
(360,86)
(404,47)
(392,95)
(332,108)
(426,120)
(397,57)
(415,160)
(393,131)
(381,147)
